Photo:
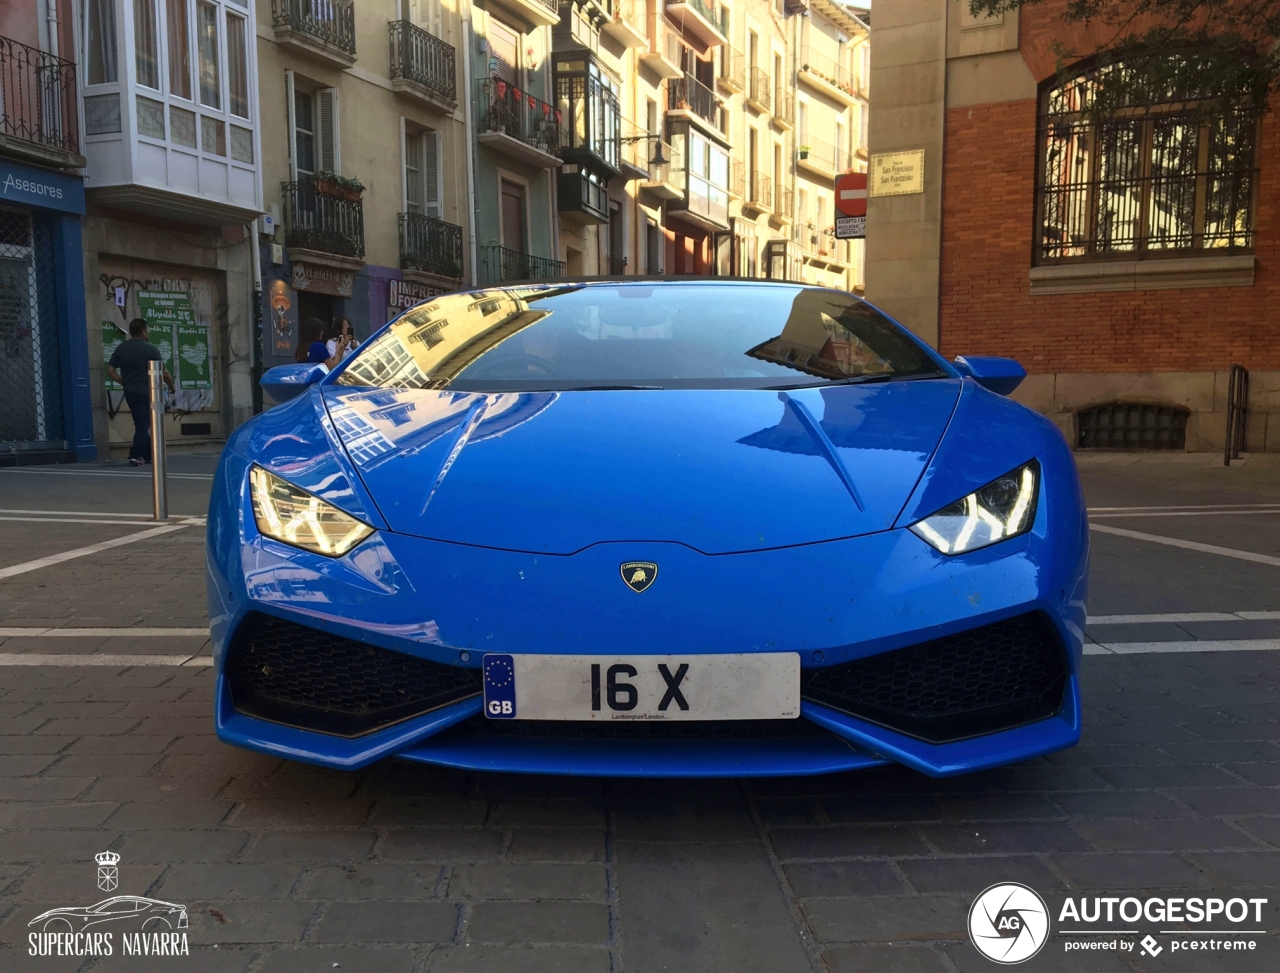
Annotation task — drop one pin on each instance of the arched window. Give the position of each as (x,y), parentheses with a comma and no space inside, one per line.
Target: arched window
(1162,177)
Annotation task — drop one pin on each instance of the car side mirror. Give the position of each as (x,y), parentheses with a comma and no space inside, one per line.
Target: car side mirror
(284,382)
(1000,375)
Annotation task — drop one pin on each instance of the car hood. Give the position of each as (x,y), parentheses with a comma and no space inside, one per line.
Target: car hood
(719,470)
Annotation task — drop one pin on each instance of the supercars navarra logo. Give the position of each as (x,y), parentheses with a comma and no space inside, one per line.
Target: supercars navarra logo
(639,574)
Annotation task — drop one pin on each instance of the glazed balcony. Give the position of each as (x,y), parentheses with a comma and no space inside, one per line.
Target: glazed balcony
(501,264)
(430,246)
(323,222)
(517,124)
(701,19)
(38,111)
(423,66)
(322,30)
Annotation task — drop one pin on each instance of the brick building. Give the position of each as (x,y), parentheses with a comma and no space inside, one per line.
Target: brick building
(1127,266)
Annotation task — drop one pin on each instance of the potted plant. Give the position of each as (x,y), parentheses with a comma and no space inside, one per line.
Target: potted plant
(804,151)
(332,184)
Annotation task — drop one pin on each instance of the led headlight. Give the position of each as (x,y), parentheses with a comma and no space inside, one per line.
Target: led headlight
(1003,508)
(287,513)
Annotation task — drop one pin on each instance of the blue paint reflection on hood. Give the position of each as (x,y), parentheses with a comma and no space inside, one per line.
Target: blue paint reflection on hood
(718,470)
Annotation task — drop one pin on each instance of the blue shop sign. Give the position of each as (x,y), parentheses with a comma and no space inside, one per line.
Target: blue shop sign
(39,187)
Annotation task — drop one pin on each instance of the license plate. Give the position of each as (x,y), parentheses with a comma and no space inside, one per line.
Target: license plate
(738,686)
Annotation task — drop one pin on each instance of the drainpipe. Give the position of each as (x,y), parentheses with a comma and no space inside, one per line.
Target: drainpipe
(468,121)
(52,6)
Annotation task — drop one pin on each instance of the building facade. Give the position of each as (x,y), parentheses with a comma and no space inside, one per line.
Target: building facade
(365,164)
(1126,263)
(45,393)
(169,99)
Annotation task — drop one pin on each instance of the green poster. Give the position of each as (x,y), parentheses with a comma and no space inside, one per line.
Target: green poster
(193,357)
(111,340)
(164,311)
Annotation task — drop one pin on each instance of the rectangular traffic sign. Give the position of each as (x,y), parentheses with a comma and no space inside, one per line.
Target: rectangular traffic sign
(851,227)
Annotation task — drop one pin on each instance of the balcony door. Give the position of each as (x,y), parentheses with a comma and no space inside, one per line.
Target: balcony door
(422,173)
(425,14)
(513,216)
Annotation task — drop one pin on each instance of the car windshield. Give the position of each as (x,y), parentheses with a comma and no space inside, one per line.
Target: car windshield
(645,335)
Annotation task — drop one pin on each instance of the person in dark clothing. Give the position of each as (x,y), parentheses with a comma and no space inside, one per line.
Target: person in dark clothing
(312,347)
(128,366)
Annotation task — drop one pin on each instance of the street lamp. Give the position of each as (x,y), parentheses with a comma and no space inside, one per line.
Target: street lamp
(658,158)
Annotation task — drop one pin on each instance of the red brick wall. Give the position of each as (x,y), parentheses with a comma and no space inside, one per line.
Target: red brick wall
(987,233)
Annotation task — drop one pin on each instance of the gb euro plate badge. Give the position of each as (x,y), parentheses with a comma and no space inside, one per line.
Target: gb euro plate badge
(712,686)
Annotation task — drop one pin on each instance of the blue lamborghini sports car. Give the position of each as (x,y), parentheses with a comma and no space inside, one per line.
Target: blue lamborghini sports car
(648,528)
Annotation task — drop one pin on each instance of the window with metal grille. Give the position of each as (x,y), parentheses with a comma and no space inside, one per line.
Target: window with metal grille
(1133,426)
(1143,179)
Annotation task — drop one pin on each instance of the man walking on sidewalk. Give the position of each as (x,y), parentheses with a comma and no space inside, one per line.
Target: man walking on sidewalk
(128,366)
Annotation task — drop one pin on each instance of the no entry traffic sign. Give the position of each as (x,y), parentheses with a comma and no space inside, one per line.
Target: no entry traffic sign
(851,193)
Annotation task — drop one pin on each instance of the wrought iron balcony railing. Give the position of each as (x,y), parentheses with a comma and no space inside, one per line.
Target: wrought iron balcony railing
(761,189)
(733,69)
(784,106)
(690,94)
(316,220)
(500,264)
(833,158)
(423,58)
(707,12)
(505,109)
(827,68)
(759,92)
(37,97)
(332,22)
(430,245)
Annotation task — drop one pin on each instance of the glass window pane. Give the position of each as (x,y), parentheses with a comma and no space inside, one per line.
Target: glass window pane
(182,126)
(150,117)
(207,34)
(213,135)
(1175,146)
(100,41)
(145,43)
(1229,189)
(179,48)
(237,67)
(304,133)
(241,144)
(1119,185)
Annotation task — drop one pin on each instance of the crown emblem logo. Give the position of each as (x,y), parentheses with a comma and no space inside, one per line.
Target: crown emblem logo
(108,873)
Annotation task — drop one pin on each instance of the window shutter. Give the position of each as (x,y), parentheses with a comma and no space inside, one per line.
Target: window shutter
(327,130)
(292,123)
(504,47)
(513,216)
(430,142)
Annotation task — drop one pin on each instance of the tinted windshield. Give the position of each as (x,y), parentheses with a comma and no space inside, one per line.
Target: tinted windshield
(646,335)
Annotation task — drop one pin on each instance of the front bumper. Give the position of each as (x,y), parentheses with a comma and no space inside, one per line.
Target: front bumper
(834,603)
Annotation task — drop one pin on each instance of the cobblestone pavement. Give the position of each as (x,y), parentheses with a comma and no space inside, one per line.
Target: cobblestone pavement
(1174,791)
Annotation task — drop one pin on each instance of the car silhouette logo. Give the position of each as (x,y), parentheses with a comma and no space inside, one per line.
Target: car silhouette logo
(639,574)
(133,911)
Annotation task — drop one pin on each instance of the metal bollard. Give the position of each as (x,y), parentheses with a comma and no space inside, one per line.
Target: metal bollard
(159,482)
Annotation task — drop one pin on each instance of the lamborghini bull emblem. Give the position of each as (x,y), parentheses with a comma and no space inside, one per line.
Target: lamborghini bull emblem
(639,574)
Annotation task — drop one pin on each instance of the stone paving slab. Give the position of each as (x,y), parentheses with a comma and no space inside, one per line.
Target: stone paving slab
(409,867)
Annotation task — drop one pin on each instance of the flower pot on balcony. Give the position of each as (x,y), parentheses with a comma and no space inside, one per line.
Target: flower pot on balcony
(804,153)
